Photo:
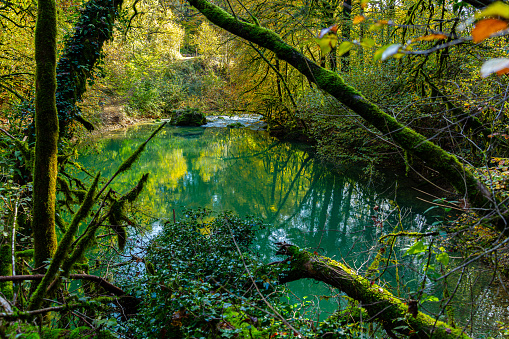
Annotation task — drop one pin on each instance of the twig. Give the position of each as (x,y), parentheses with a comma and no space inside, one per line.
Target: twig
(13,238)
(5,304)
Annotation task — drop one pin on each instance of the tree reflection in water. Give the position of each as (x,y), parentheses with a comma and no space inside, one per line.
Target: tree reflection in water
(307,204)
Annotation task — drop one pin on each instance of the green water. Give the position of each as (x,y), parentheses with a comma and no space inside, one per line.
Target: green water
(303,201)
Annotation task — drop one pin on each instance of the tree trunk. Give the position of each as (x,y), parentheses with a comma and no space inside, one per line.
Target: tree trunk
(380,304)
(434,156)
(345,34)
(46,127)
(81,54)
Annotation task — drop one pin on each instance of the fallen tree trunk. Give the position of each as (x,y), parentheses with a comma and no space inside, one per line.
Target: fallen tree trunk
(380,304)
(416,144)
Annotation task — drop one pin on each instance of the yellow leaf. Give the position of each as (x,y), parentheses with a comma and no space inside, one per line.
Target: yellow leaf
(431,37)
(327,43)
(358,19)
(327,39)
(205,230)
(344,47)
(378,25)
(364,3)
(487,27)
(367,42)
(494,10)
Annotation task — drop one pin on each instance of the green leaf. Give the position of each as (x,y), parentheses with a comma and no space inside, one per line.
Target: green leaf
(344,47)
(417,248)
(379,52)
(431,298)
(367,43)
(443,258)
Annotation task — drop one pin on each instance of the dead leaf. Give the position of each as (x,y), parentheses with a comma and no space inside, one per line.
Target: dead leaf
(358,19)
(431,37)
(484,28)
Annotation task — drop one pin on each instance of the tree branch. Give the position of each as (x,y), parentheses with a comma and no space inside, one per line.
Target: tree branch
(109,287)
(380,304)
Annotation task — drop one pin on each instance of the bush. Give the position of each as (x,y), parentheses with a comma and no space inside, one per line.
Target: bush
(200,284)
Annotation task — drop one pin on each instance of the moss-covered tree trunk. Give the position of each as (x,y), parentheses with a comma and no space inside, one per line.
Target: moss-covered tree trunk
(381,305)
(46,125)
(416,144)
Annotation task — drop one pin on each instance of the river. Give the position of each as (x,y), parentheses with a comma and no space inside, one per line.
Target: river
(303,201)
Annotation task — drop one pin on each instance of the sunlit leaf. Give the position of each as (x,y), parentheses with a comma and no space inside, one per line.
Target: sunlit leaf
(379,52)
(358,19)
(484,28)
(390,51)
(443,258)
(378,25)
(344,47)
(367,42)
(498,65)
(364,3)
(495,9)
(417,247)
(327,39)
(432,37)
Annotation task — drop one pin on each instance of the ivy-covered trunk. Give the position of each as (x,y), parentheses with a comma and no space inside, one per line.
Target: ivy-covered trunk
(81,54)
(412,142)
(46,126)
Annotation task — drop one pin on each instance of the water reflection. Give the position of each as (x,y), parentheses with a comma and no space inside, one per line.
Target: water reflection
(250,173)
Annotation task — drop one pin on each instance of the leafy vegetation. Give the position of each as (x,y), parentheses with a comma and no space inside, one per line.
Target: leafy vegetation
(417,86)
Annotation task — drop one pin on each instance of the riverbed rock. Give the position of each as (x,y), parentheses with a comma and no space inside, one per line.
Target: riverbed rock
(188,117)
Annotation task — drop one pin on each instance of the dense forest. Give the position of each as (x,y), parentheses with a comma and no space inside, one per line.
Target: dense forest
(374,90)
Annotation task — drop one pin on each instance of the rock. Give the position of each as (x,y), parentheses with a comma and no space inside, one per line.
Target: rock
(235,125)
(187,117)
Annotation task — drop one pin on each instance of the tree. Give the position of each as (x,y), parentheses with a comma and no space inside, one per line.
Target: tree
(46,125)
(442,161)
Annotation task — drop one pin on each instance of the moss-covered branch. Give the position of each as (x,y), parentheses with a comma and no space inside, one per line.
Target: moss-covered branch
(331,82)
(98,302)
(109,287)
(380,304)
(64,247)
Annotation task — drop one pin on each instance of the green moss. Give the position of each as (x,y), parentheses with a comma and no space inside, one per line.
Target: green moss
(46,124)
(6,269)
(25,254)
(188,117)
